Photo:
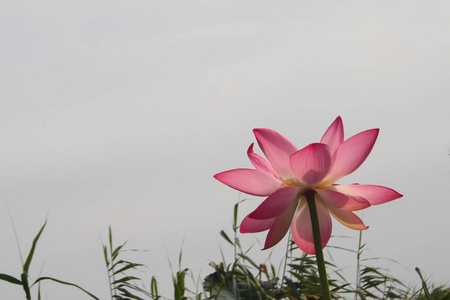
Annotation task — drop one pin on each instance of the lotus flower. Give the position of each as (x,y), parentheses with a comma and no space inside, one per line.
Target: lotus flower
(288,174)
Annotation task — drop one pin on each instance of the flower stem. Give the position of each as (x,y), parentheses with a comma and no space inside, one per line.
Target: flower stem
(318,246)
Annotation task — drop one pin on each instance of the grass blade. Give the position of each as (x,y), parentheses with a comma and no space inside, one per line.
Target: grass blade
(10,279)
(235,215)
(105,255)
(65,283)
(225,236)
(424,285)
(154,288)
(27,263)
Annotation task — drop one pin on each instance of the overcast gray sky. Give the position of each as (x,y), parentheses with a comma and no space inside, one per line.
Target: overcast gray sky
(120,112)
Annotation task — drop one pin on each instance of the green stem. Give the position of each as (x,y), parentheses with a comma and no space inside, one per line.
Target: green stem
(358,260)
(318,246)
(26,287)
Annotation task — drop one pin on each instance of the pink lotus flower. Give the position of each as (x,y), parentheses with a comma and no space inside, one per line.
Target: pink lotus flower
(290,173)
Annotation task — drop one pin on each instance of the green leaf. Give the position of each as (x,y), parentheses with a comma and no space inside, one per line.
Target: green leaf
(130,266)
(117,263)
(125,279)
(26,266)
(105,254)
(136,288)
(235,215)
(117,251)
(130,295)
(179,286)
(65,283)
(110,239)
(10,279)
(424,285)
(225,236)
(154,288)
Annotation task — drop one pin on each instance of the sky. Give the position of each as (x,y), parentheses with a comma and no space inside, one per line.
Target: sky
(120,112)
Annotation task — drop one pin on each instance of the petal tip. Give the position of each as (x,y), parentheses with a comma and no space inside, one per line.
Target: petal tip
(375,131)
(257,130)
(250,151)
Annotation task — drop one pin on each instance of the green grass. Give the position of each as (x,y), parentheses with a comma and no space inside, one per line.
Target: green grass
(242,278)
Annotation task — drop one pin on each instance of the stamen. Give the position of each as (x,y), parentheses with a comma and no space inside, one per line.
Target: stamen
(287,183)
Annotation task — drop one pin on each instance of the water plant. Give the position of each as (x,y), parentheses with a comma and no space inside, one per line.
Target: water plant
(301,188)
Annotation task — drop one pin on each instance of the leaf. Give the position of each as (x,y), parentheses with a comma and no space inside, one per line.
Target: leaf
(26,266)
(179,286)
(10,279)
(154,288)
(225,236)
(123,262)
(128,294)
(110,239)
(117,251)
(235,215)
(424,285)
(125,279)
(105,254)
(65,283)
(136,288)
(129,266)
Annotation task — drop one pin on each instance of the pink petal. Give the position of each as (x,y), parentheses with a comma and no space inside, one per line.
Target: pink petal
(277,203)
(277,148)
(375,194)
(280,227)
(250,225)
(311,164)
(351,154)
(341,201)
(347,218)
(260,163)
(302,227)
(334,136)
(250,181)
